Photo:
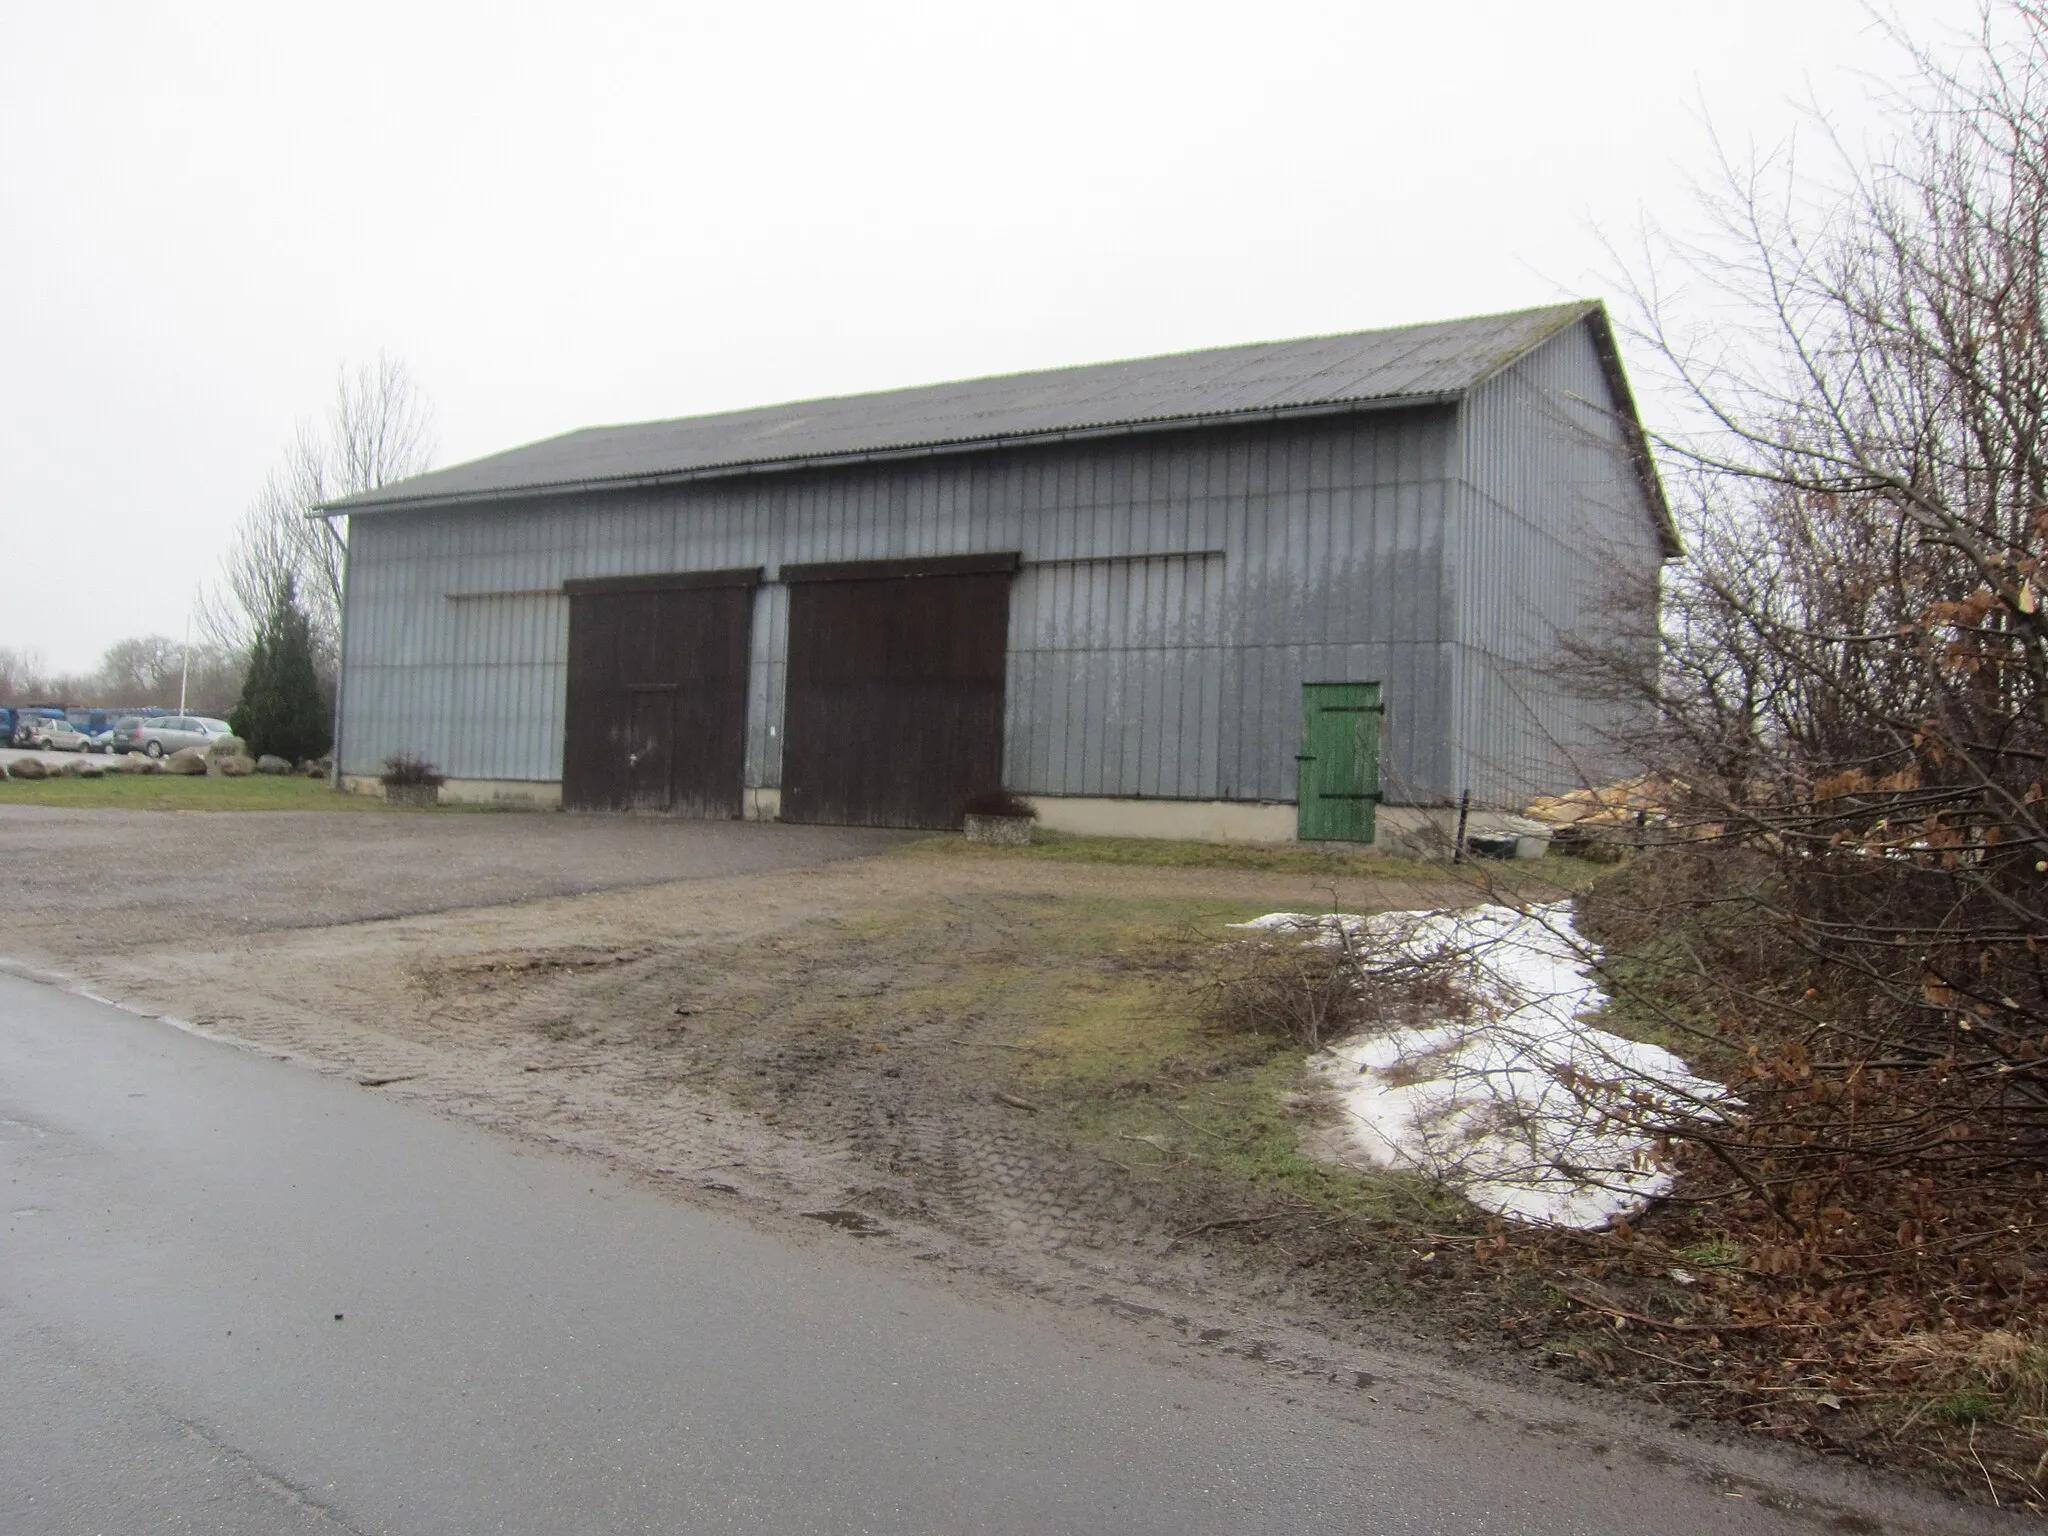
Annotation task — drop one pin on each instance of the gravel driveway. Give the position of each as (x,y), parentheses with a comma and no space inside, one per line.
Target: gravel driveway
(68,872)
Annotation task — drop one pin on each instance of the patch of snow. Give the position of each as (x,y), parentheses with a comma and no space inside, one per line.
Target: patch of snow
(1517,1099)
(1328,924)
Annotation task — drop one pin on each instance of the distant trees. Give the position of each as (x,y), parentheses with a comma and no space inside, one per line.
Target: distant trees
(137,670)
(282,710)
(143,670)
(22,675)
(378,429)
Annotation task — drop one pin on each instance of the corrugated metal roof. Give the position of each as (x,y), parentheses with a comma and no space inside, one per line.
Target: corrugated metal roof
(1407,364)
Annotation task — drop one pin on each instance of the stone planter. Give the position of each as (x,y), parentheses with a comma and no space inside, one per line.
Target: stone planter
(412,794)
(998,829)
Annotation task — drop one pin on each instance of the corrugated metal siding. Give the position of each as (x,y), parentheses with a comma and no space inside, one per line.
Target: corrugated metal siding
(1116,675)
(1548,515)
(1178,591)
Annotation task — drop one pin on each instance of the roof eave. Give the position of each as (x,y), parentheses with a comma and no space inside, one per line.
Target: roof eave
(371,502)
(1609,351)
(1593,313)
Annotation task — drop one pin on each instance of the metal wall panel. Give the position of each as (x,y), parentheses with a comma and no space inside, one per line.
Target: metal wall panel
(1179,588)
(1130,651)
(1549,521)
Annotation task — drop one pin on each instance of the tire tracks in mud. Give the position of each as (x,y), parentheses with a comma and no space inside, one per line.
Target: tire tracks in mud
(693,1034)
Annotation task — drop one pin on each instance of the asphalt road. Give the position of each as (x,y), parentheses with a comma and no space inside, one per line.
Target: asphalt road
(238,1296)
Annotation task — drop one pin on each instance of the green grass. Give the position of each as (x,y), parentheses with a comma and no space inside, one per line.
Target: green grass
(171,792)
(1114,1037)
(1562,874)
(1067,848)
(1966,1408)
(1711,1252)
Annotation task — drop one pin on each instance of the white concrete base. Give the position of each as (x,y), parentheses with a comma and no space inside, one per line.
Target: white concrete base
(1196,821)
(536,794)
(1427,832)
(1423,832)
(540,794)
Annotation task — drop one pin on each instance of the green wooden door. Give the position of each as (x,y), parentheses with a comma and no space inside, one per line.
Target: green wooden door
(1340,761)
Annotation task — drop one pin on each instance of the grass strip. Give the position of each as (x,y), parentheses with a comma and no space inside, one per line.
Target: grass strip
(171,792)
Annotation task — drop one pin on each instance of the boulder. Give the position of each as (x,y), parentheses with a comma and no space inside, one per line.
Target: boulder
(131,762)
(270,762)
(88,769)
(188,761)
(233,767)
(30,768)
(226,746)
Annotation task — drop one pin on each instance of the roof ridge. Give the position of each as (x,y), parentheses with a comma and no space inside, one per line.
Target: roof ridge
(1061,369)
(1384,368)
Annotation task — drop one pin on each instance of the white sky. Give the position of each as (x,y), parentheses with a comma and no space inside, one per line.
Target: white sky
(564,215)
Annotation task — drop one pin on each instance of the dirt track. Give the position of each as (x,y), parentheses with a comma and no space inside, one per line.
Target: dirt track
(779,1027)
(798,1016)
(806,1023)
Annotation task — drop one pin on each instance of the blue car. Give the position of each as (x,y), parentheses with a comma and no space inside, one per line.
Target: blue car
(18,722)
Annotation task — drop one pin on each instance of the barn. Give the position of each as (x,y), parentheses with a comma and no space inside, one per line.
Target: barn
(1303,589)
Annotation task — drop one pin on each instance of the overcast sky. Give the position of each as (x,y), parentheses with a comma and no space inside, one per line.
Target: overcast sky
(565,215)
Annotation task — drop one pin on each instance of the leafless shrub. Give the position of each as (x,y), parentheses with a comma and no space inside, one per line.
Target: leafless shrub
(1848,908)
(1314,986)
(1854,689)
(409,770)
(999,802)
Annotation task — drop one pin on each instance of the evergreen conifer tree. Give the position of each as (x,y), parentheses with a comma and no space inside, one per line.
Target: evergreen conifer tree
(281,711)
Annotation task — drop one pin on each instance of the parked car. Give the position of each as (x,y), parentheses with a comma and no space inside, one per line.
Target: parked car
(173,733)
(55,735)
(22,722)
(126,735)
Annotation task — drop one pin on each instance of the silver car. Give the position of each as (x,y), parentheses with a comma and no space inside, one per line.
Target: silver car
(52,735)
(173,733)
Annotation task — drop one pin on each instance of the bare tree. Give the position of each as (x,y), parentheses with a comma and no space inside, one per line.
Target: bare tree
(1860,673)
(1850,917)
(138,670)
(23,676)
(378,429)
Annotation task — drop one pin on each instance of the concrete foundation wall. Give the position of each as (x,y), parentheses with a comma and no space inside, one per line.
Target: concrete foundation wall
(1202,821)
(1408,831)
(538,793)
